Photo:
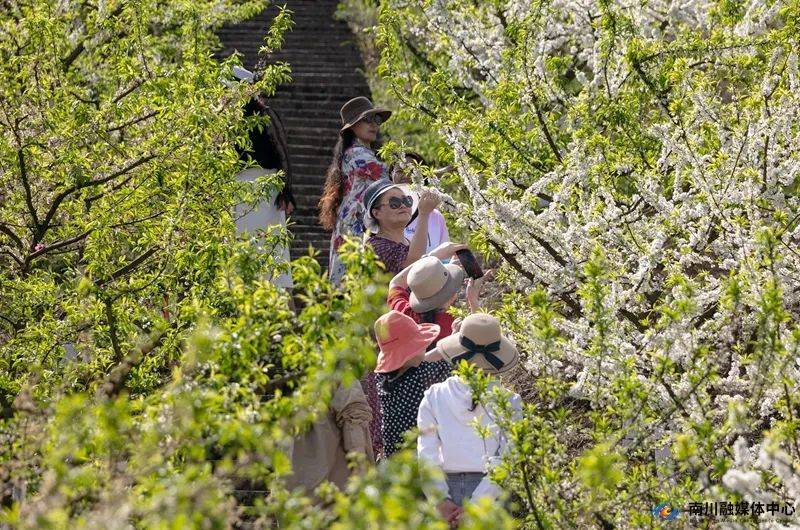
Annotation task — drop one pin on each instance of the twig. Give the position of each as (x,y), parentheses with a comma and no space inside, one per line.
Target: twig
(111,320)
(133,264)
(69,191)
(23,173)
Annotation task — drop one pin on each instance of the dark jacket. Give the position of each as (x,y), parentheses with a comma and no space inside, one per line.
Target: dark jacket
(268,145)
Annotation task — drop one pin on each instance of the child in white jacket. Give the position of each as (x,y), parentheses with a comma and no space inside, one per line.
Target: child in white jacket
(447,415)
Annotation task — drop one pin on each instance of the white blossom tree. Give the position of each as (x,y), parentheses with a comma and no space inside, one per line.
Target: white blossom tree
(635,165)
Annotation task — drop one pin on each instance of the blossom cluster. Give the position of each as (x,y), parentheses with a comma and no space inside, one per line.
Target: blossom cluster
(638,161)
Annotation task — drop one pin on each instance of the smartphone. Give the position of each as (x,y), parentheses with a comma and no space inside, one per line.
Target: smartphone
(470,264)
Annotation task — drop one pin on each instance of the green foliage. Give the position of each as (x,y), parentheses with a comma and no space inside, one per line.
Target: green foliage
(634,169)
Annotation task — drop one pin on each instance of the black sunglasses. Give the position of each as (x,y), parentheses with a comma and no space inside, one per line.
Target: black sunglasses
(374,119)
(396,202)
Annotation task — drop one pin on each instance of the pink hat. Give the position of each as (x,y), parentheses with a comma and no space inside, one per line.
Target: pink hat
(400,339)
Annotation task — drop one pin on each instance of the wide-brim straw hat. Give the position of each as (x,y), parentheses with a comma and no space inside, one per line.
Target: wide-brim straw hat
(400,339)
(359,108)
(433,283)
(480,342)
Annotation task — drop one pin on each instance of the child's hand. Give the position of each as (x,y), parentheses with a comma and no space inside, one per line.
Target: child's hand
(455,519)
(457,325)
(447,509)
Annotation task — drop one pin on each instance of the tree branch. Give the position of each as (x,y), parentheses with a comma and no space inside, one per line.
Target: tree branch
(136,84)
(133,264)
(133,121)
(111,320)
(13,256)
(67,61)
(14,237)
(76,52)
(115,381)
(23,174)
(512,260)
(69,191)
(56,246)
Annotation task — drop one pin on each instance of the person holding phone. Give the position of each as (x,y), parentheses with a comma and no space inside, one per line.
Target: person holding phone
(421,293)
(426,289)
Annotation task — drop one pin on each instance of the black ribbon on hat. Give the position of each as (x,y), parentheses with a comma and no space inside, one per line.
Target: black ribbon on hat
(487,350)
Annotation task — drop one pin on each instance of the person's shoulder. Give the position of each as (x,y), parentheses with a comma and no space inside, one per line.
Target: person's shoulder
(436,389)
(359,151)
(398,293)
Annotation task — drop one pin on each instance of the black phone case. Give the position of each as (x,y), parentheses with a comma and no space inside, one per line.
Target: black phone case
(470,264)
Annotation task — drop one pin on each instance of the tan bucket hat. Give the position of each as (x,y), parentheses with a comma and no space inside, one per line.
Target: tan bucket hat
(359,108)
(432,283)
(480,342)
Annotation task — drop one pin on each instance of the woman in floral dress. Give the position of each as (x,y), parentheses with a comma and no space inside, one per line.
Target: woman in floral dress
(353,168)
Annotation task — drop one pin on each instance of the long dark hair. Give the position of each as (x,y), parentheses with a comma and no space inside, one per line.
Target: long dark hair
(333,190)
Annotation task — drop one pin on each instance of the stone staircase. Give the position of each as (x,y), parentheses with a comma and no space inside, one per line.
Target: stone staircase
(326,70)
(326,67)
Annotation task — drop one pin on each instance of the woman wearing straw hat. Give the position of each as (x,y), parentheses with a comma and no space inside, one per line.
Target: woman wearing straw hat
(448,415)
(402,375)
(353,168)
(426,289)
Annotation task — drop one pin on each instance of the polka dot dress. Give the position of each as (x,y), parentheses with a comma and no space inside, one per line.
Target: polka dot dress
(400,399)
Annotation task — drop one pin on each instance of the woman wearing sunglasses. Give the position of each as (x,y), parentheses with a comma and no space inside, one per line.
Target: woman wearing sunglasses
(388,212)
(353,168)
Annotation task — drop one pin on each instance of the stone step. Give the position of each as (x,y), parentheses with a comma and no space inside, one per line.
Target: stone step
(316,150)
(306,217)
(309,170)
(312,159)
(321,100)
(248,497)
(311,192)
(315,181)
(327,71)
(319,92)
(335,55)
(302,138)
(321,67)
(318,109)
(322,251)
(328,78)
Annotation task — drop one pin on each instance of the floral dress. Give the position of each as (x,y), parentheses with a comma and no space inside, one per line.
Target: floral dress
(360,167)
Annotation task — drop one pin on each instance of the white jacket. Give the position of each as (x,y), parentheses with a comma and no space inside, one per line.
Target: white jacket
(449,440)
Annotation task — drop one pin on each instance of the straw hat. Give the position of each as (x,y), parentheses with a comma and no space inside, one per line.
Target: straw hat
(401,339)
(480,342)
(359,108)
(433,283)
